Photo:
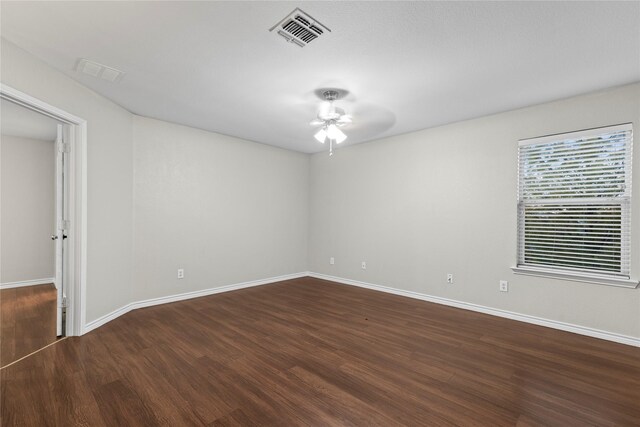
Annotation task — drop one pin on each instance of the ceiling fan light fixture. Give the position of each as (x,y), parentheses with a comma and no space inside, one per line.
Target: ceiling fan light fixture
(321,135)
(331,117)
(336,134)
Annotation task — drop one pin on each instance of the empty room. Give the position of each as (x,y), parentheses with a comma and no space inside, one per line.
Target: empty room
(320,213)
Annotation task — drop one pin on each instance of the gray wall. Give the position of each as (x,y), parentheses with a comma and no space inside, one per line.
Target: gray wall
(418,206)
(27,201)
(110,174)
(224,209)
(415,206)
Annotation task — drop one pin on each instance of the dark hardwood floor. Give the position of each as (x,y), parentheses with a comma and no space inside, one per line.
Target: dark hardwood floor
(313,353)
(27,320)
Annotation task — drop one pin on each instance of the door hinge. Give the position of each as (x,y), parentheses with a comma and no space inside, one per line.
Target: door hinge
(64,302)
(63,147)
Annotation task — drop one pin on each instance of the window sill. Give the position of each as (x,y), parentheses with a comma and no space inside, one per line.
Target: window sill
(622,282)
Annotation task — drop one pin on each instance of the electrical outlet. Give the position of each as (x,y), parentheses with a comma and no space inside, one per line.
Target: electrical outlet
(364,265)
(504,286)
(332,260)
(181,273)
(450,279)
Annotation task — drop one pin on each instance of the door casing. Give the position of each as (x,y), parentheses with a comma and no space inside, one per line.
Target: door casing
(75,272)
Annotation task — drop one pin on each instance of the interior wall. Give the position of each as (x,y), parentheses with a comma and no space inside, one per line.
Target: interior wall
(27,209)
(414,207)
(110,174)
(225,210)
(418,206)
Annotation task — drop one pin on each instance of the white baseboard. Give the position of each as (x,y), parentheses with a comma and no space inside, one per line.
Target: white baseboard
(9,285)
(582,330)
(180,297)
(90,326)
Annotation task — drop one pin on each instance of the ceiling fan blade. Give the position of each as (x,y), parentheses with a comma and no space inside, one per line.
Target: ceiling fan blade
(345,119)
(316,122)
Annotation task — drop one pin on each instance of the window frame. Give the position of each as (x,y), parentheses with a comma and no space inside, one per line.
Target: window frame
(574,274)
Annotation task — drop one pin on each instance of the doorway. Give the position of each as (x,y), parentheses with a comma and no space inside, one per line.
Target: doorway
(32,233)
(66,234)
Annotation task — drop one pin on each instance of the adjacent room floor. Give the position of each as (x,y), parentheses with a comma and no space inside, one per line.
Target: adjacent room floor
(312,352)
(28,320)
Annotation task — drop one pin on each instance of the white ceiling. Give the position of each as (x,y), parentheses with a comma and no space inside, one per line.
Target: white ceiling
(407,65)
(16,120)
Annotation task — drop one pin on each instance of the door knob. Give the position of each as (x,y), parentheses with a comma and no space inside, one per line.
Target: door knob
(54,237)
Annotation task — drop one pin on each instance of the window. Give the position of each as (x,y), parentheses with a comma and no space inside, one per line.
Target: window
(574,200)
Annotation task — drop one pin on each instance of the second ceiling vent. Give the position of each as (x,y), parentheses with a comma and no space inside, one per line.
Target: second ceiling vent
(299,28)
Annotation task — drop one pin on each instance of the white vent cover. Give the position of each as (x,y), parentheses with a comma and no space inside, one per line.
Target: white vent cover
(299,28)
(100,71)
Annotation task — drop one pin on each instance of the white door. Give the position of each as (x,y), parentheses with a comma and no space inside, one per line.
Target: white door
(61,227)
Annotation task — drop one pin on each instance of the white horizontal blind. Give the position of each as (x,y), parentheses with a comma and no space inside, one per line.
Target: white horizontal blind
(574,199)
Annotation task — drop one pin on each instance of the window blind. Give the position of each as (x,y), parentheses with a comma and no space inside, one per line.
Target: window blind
(574,200)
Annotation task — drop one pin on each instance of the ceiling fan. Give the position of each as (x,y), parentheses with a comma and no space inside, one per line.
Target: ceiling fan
(330,118)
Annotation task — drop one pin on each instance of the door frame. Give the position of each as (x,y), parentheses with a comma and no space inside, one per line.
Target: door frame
(59,228)
(76,261)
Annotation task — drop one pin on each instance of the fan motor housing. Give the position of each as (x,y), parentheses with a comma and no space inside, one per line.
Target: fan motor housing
(332,92)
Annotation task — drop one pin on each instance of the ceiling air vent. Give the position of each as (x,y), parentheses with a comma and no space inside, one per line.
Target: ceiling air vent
(98,70)
(299,28)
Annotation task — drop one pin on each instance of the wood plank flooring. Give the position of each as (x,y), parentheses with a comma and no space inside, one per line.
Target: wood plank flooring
(308,352)
(27,320)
